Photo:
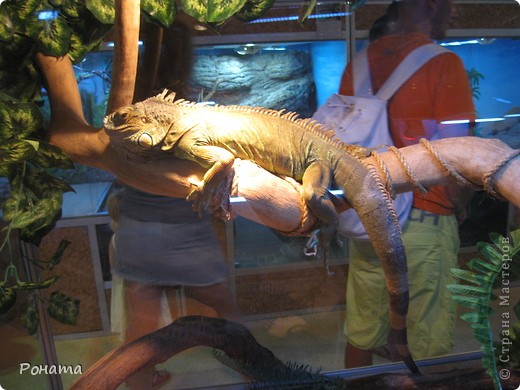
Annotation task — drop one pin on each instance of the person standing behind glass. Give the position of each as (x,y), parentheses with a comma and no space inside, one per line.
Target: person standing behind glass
(160,243)
(437,93)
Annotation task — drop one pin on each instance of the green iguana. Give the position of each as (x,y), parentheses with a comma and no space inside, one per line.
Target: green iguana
(283,144)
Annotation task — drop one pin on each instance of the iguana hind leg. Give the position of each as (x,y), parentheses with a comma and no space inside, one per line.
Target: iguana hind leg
(315,181)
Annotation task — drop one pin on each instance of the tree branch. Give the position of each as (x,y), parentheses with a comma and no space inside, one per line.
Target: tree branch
(261,364)
(126,50)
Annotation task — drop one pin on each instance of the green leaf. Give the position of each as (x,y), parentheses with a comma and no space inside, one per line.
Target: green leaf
(468,276)
(515,235)
(462,289)
(253,9)
(54,37)
(7,30)
(212,11)
(34,202)
(103,10)
(21,81)
(470,302)
(473,317)
(7,299)
(484,267)
(19,120)
(63,308)
(49,156)
(163,11)
(78,49)
(498,239)
(40,214)
(86,35)
(26,8)
(482,337)
(14,152)
(31,319)
(490,253)
(72,9)
(56,258)
(38,285)
(308,11)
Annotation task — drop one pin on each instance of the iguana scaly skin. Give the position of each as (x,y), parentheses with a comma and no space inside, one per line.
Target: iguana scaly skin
(282,143)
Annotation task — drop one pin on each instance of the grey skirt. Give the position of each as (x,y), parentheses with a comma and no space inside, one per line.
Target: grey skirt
(166,254)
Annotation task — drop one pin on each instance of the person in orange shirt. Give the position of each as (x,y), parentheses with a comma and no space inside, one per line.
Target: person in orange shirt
(436,102)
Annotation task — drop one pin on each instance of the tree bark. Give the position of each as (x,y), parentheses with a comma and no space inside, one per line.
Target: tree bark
(126,49)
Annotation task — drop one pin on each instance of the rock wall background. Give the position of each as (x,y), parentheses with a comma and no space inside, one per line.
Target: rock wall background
(274,80)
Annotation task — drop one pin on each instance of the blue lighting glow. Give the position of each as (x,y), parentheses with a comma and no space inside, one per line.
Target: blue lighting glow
(512,116)
(460,43)
(47,15)
(480,120)
(111,44)
(289,18)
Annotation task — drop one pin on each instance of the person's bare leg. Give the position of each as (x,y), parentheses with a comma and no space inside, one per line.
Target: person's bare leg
(143,308)
(356,357)
(219,297)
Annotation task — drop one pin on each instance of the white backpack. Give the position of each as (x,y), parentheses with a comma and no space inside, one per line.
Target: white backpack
(362,120)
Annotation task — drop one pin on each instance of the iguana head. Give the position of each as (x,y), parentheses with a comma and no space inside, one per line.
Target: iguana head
(134,128)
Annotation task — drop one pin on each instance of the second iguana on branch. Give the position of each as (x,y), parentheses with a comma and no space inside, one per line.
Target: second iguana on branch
(283,144)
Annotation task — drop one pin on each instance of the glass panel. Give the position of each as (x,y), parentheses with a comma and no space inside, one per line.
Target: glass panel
(286,299)
(23,358)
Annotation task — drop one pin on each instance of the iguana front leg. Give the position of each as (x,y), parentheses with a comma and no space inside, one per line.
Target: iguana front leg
(315,181)
(213,192)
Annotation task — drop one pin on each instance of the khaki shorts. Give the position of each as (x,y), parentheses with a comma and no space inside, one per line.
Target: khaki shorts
(431,244)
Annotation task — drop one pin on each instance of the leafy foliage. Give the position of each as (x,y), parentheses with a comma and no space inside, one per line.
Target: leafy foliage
(477,292)
(63,308)
(253,9)
(31,318)
(308,11)
(60,306)
(103,10)
(35,198)
(163,12)
(474,77)
(55,28)
(212,11)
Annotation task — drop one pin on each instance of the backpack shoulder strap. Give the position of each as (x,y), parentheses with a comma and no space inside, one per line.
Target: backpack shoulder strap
(360,71)
(411,64)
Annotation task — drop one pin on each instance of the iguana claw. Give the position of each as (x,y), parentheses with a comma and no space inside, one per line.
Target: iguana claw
(215,201)
(311,249)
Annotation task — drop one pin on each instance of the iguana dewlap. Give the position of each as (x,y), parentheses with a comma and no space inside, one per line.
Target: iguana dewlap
(282,143)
